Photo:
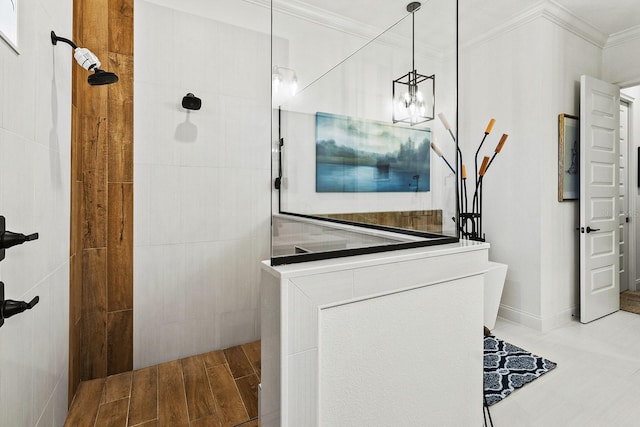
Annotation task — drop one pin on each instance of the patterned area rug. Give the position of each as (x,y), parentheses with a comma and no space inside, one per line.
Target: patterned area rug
(507,367)
(630,301)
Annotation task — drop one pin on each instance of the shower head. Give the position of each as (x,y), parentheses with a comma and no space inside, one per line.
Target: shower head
(101,77)
(191,102)
(89,61)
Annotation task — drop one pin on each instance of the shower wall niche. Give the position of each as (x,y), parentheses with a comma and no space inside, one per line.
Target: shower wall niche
(346,179)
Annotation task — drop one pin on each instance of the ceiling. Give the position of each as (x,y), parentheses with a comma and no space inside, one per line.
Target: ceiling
(480,16)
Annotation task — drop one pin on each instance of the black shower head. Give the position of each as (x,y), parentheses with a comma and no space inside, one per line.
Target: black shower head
(101,77)
(89,61)
(191,102)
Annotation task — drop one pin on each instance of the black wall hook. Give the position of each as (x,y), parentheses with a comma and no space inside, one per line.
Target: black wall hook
(9,308)
(191,102)
(9,238)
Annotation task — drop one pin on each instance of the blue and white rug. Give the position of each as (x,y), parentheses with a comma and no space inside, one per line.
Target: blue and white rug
(507,367)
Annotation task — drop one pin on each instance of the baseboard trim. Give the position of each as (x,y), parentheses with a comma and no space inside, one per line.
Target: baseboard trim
(536,322)
(519,316)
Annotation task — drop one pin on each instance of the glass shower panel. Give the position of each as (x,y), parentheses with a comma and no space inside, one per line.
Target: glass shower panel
(338,158)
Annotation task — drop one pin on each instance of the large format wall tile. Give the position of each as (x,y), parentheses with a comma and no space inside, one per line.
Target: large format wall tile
(35,108)
(202,183)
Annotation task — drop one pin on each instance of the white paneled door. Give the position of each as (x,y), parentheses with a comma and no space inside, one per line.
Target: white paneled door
(599,198)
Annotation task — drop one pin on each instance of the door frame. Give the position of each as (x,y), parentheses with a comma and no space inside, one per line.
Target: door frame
(632,191)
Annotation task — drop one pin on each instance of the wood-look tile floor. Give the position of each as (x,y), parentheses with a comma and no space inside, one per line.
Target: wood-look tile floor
(216,389)
(630,301)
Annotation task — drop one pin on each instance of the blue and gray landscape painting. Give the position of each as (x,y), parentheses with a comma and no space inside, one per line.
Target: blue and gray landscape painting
(355,155)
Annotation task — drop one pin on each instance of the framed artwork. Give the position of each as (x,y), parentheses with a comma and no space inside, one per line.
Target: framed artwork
(357,156)
(568,157)
(9,22)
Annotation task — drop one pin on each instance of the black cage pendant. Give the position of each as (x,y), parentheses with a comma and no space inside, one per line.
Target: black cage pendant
(414,93)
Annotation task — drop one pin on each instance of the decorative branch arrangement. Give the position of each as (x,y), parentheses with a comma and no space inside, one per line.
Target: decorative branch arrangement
(470,217)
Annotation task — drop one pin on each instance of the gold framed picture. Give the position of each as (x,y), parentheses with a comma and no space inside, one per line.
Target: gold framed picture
(568,157)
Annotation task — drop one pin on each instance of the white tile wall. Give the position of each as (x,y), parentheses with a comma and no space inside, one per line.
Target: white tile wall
(202,183)
(301,383)
(35,123)
(303,332)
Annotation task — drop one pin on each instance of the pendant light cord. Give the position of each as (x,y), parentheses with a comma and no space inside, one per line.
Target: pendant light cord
(413,41)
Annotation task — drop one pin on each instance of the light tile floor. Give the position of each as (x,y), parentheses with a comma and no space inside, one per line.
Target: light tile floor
(596,382)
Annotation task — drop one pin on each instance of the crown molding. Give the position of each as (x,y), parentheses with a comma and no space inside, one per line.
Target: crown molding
(623,37)
(627,98)
(551,11)
(325,18)
(545,9)
(564,18)
(316,15)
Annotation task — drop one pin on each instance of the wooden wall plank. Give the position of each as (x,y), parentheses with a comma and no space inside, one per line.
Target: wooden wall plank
(121,119)
(102,147)
(144,396)
(78,27)
(94,158)
(94,314)
(75,359)
(92,100)
(120,247)
(120,16)
(76,227)
(172,405)
(76,157)
(75,243)
(199,397)
(95,29)
(75,294)
(119,342)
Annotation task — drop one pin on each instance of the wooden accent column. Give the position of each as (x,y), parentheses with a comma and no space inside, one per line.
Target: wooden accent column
(101,259)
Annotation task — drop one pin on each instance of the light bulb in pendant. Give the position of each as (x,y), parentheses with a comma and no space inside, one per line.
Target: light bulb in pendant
(275,82)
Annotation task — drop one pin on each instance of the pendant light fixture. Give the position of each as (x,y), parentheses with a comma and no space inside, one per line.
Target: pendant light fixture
(413,93)
(279,79)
